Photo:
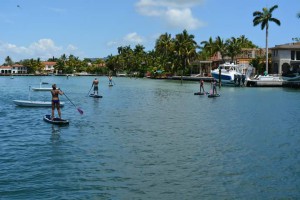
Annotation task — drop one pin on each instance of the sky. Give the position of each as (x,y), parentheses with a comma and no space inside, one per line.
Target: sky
(96,28)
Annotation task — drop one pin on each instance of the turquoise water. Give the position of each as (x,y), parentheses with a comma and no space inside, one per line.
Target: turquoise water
(150,139)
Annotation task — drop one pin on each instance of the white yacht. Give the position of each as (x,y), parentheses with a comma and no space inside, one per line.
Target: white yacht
(229,73)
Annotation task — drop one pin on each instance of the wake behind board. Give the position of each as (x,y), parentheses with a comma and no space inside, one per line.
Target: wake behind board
(213,95)
(200,93)
(95,96)
(58,121)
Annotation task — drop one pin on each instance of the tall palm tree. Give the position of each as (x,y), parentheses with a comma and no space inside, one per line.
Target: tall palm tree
(165,46)
(185,46)
(263,18)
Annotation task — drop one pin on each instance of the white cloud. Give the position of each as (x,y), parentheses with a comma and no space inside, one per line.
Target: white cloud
(131,39)
(182,18)
(176,13)
(43,49)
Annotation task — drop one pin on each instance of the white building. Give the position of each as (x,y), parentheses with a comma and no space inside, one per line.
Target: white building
(15,69)
(49,67)
(286,59)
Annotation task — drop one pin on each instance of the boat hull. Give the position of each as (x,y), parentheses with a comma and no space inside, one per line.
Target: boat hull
(26,103)
(41,89)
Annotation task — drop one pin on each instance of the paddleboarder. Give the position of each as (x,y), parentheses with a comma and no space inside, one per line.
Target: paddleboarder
(201,85)
(95,84)
(110,80)
(214,84)
(55,100)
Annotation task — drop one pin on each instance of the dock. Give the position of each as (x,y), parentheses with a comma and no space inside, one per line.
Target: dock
(260,83)
(291,84)
(192,78)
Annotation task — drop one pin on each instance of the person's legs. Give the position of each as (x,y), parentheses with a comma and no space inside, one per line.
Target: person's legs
(58,110)
(52,111)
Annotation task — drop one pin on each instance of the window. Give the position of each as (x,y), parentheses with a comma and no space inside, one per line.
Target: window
(297,55)
(292,55)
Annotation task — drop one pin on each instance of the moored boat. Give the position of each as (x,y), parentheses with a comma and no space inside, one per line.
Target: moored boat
(29,103)
(265,81)
(229,73)
(41,89)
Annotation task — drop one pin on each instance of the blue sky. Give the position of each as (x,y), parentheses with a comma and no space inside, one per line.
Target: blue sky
(96,28)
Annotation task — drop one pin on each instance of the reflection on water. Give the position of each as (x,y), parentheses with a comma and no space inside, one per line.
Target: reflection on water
(55,136)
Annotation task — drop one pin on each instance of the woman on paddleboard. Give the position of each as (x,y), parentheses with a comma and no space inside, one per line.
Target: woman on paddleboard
(55,100)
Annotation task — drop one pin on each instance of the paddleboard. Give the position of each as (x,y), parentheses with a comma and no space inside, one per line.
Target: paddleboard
(95,96)
(110,85)
(213,95)
(200,93)
(55,120)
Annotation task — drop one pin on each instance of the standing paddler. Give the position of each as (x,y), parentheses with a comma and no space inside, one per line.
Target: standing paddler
(55,100)
(95,84)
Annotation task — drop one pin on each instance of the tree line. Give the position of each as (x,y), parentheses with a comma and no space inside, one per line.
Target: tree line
(171,55)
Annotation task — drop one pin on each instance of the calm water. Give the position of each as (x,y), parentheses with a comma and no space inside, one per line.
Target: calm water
(150,139)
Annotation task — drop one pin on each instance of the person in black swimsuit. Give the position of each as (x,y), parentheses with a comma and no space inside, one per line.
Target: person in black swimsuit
(55,100)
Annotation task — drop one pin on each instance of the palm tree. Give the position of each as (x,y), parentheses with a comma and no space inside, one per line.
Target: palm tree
(165,46)
(234,47)
(221,47)
(8,61)
(185,46)
(264,18)
(209,46)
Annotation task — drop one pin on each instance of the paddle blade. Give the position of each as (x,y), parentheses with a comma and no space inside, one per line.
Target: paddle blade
(80,111)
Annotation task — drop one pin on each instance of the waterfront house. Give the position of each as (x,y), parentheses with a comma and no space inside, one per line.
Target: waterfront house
(49,67)
(243,59)
(286,58)
(14,69)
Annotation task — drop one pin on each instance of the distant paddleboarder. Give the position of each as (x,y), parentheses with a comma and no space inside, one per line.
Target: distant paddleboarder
(55,100)
(201,85)
(214,86)
(110,80)
(95,84)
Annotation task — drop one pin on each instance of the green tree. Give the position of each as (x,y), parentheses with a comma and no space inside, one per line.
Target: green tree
(221,47)
(8,61)
(209,47)
(263,18)
(257,64)
(245,43)
(234,47)
(185,47)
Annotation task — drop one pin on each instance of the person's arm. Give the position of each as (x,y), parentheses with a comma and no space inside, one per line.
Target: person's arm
(60,92)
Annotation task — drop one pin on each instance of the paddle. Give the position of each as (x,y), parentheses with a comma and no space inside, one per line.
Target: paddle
(79,110)
(90,90)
